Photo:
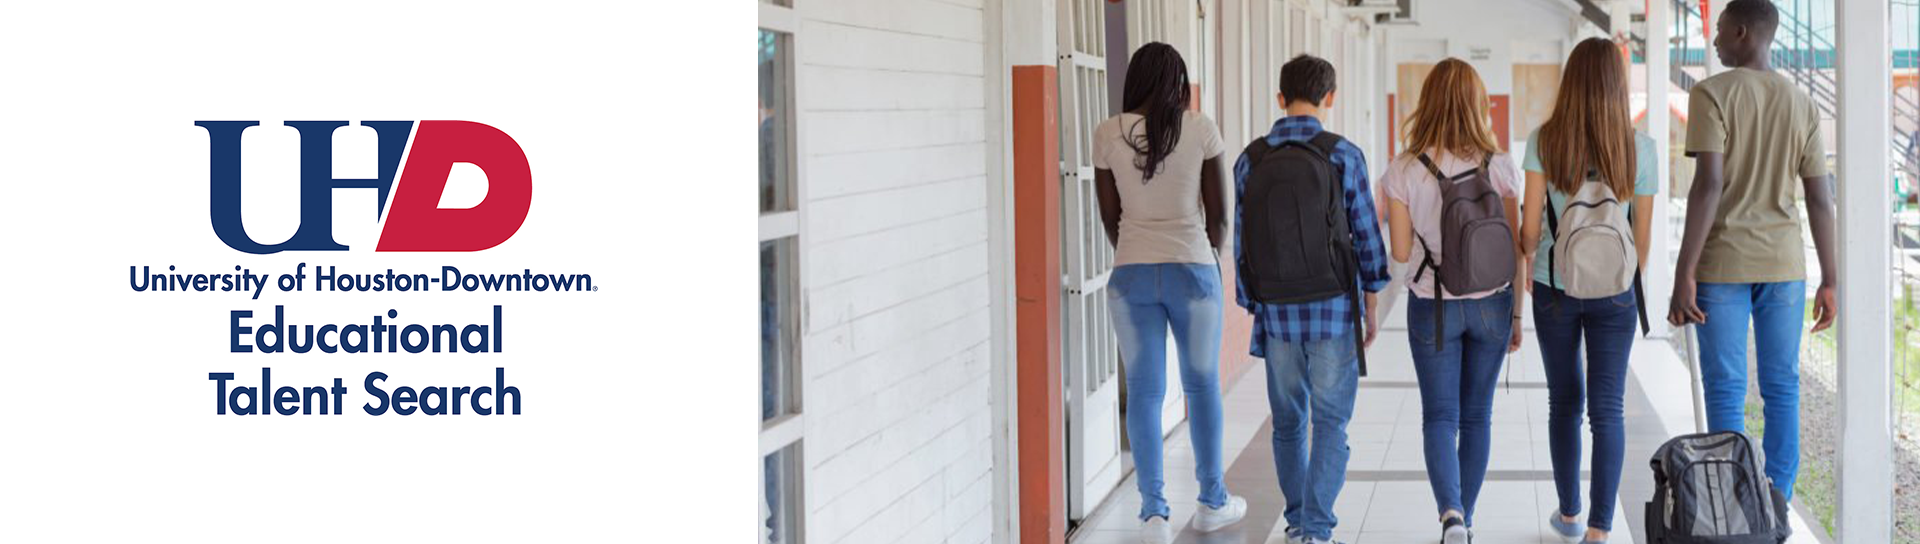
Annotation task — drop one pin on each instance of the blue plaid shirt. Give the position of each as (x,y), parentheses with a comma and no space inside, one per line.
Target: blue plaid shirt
(1327,318)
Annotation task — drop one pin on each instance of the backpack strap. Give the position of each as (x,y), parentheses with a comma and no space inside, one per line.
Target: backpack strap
(1354,308)
(1640,301)
(1431,168)
(1553,233)
(1327,142)
(1426,261)
(1256,150)
(1439,313)
(1439,176)
(1639,289)
(1439,291)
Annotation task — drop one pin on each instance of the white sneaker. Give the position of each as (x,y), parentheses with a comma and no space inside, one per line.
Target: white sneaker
(1210,519)
(1156,531)
(1456,534)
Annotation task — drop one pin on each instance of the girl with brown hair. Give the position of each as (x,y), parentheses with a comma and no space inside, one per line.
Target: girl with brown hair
(1588,143)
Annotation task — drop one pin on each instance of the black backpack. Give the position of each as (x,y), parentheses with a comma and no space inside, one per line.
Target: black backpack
(1298,247)
(1474,236)
(1708,488)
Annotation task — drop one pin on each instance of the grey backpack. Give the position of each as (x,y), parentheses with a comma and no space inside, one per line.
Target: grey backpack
(1475,238)
(1593,252)
(1710,489)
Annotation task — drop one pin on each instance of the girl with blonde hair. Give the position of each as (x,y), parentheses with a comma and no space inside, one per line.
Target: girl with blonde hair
(1457,346)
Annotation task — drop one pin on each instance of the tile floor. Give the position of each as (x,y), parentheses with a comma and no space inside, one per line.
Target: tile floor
(1386,499)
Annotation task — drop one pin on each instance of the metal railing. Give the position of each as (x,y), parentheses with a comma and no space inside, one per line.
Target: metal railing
(1806,58)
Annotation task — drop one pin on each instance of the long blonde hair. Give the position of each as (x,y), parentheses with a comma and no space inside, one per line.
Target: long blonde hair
(1590,127)
(1452,113)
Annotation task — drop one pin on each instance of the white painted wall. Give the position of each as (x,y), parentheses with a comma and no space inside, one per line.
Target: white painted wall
(896,348)
(1487,30)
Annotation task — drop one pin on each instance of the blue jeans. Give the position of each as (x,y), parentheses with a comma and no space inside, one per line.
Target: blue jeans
(1596,386)
(1777,311)
(1311,381)
(1146,300)
(1456,390)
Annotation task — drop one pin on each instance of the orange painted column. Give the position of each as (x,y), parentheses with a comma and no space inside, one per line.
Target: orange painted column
(1236,325)
(1036,270)
(1499,108)
(1236,328)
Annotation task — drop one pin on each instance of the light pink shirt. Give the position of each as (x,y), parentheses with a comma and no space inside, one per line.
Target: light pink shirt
(1409,183)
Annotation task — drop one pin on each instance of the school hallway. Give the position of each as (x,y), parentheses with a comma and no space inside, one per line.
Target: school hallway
(1386,499)
(939,361)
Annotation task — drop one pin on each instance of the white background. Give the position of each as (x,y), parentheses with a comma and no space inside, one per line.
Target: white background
(639,400)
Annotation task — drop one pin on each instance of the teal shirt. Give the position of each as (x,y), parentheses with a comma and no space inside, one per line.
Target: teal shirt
(1645,182)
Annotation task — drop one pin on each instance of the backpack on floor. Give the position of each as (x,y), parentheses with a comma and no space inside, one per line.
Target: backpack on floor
(1709,489)
(1474,236)
(1593,253)
(1298,247)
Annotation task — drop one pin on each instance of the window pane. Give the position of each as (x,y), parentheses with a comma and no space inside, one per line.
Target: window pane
(780,506)
(777,313)
(1905,29)
(776,177)
(1296,32)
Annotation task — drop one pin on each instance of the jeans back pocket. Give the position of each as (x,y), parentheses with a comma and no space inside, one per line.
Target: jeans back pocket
(1201,280)
(1130,283)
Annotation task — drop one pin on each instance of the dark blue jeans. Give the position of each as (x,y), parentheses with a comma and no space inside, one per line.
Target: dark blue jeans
(1599,383)
(1457,382)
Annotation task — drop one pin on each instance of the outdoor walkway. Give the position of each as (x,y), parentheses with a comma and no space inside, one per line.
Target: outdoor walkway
(1386,499)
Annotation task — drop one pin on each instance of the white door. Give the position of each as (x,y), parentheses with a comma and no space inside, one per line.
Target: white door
(1091,352)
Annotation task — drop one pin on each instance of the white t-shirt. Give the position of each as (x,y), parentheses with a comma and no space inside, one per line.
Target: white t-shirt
(1161,220)
(1409,183)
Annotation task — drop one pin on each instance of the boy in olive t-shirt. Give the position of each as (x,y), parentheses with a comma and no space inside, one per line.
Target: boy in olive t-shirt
(1753,135)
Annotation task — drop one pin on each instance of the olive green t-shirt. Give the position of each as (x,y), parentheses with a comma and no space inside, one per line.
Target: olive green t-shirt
(1769,132)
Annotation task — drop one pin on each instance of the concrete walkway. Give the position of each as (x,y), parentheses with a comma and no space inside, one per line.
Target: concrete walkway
(1387,499)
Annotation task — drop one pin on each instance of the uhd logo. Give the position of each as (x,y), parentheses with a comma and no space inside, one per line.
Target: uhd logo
(415,221)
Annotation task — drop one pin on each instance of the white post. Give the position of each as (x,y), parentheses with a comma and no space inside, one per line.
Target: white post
(1390,80)
(1620,18)
(1233,71)
(1712,15)
(1659,278)
(1866,241)
(1263,79)
(1229,20)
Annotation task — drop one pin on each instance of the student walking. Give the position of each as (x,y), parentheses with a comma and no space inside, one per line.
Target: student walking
(1751,133)
(1589,176)
(1163,203)
(1305,257)
(1455,196)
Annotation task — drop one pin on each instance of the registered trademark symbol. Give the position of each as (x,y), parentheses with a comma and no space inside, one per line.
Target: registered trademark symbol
(596,288)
